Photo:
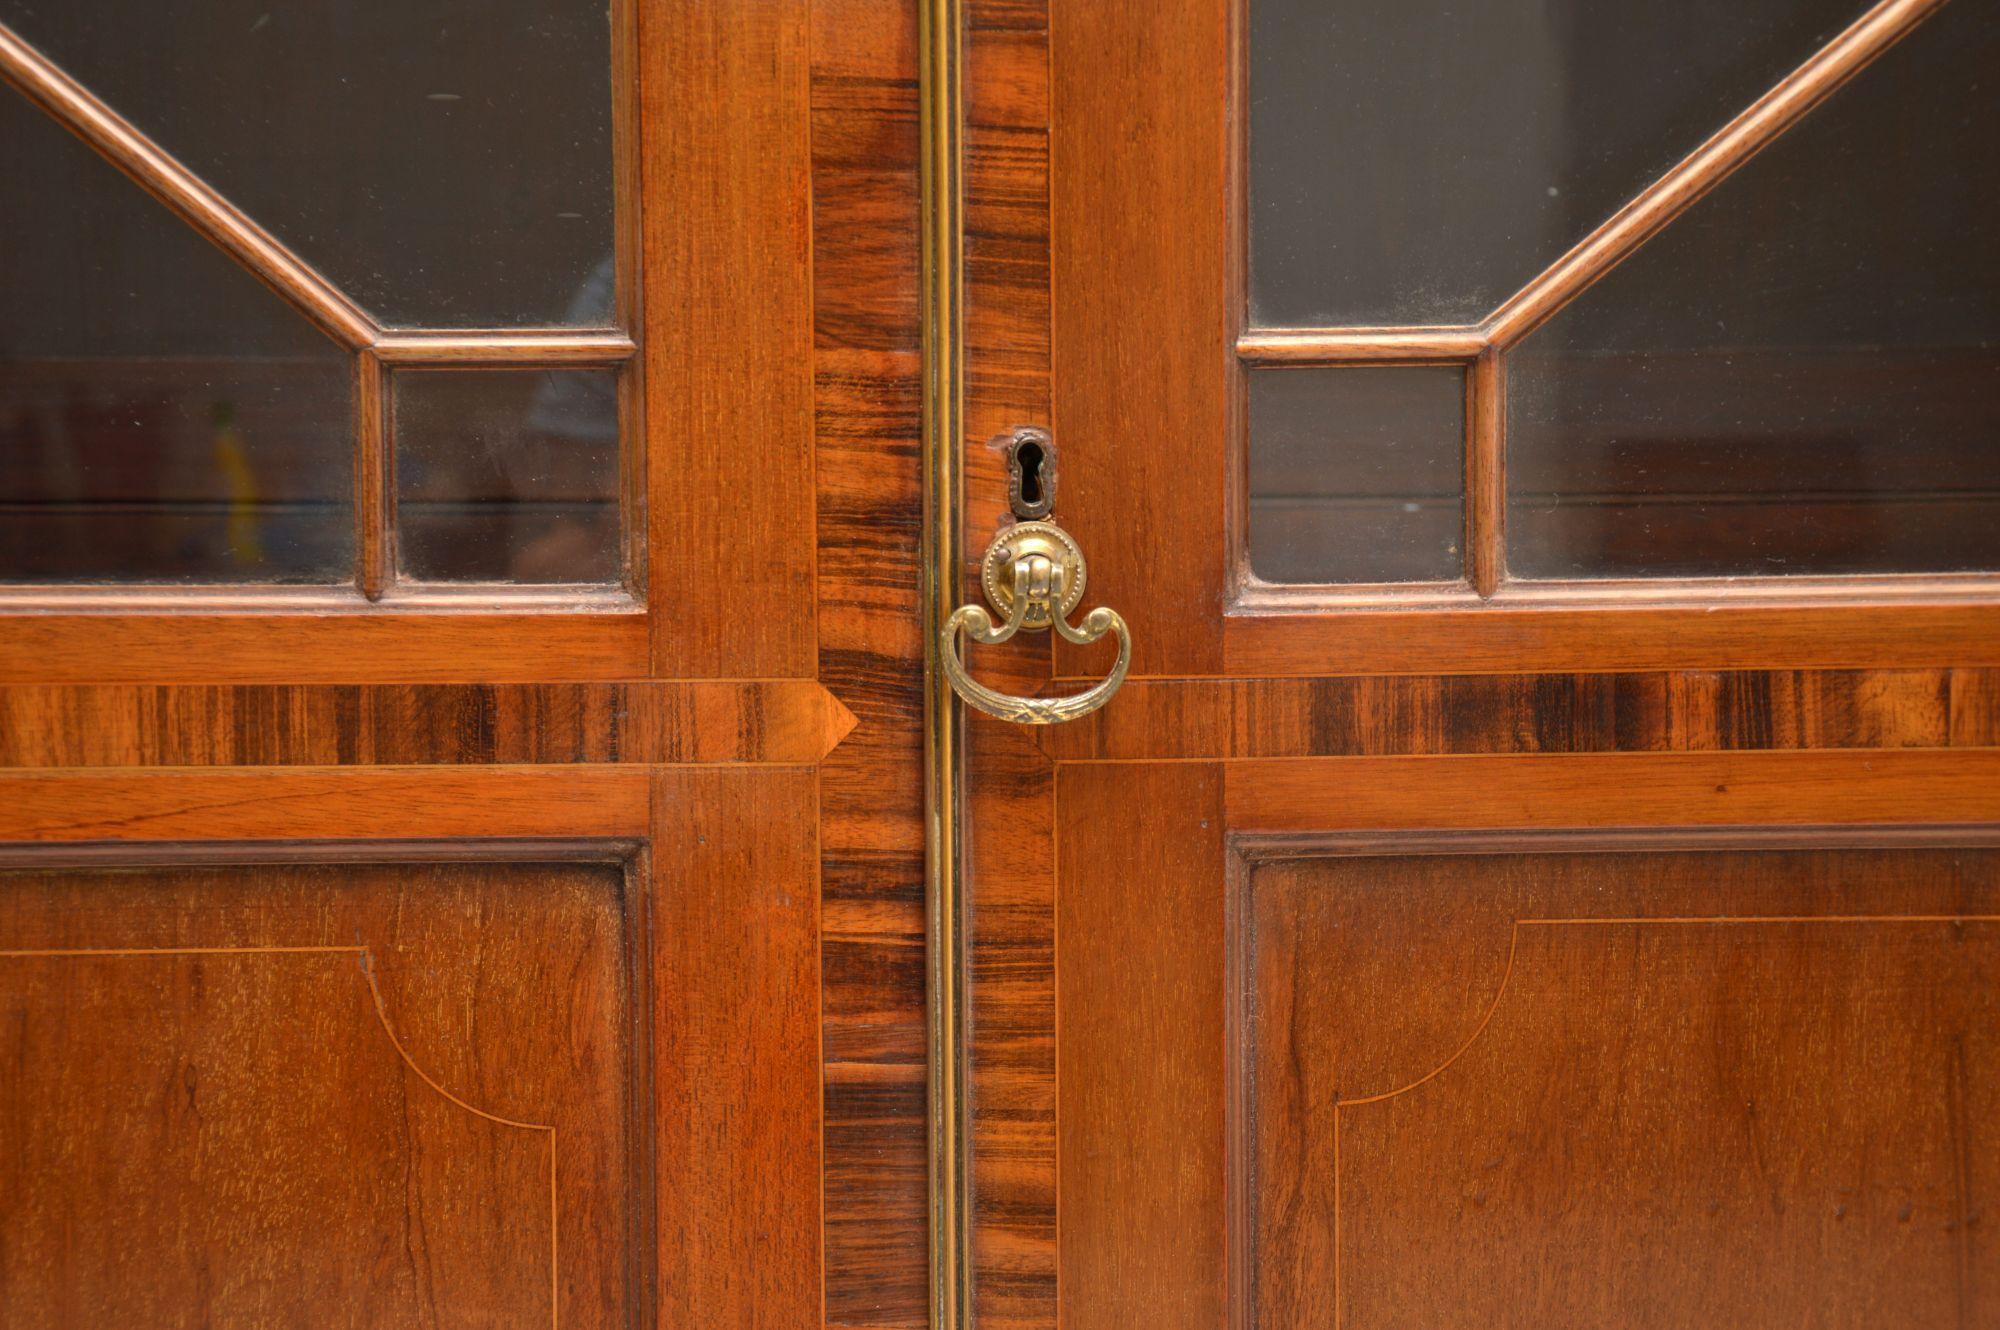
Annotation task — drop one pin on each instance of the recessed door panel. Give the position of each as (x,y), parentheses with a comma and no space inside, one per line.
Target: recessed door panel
(285,1094)
(1646,1089)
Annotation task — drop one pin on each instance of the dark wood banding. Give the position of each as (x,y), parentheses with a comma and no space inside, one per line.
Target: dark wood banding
(865,521)
(1009,845)
(290,725)
(1671,711)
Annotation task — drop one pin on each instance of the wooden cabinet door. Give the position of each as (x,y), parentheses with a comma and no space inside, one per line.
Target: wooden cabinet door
(1541,869)
(460,813)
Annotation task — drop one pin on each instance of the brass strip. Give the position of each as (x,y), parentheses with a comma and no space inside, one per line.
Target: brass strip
(940,57)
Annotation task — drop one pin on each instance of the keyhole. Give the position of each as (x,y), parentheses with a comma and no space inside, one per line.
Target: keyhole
(1031,474)
(1030,458)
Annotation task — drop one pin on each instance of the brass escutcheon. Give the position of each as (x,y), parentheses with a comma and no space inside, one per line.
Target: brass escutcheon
(1033,575)
(1034,540)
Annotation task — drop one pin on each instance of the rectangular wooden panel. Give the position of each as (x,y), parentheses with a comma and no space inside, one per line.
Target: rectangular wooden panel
(1615,790)
(1619,626)
(1140,935)
(728,326)
(1653,1088)
(735,964)
(289,1093)
(248,803)
(1143,267)
(340,644)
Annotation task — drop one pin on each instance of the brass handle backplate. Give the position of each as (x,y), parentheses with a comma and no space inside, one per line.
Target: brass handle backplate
(1033,575)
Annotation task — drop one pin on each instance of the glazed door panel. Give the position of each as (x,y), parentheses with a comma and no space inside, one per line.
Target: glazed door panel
(410,821)
(1539,870)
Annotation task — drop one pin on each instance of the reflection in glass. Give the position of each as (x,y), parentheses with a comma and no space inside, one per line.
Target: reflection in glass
(444,162)
(507,475)
(1799,374)
(1418,161)
(1357,474)
(163,416)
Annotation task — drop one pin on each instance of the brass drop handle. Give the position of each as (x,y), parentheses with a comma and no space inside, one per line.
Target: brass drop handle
(1033,575)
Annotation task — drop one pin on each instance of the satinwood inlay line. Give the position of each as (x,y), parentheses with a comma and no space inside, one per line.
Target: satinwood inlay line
(366,963)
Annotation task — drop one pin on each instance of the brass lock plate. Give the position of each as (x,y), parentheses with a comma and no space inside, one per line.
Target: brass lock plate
(1025,540)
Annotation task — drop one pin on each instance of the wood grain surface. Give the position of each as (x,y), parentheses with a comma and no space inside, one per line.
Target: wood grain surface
(270,1094)
(1615,789)
(1011,858)
(318,803)
(1141,936)
(1009,795)
(341,644)
(1144,268)
(747,732)
(735,970)
(729,294)
(1623,627)
(1734,1069)
(1665,711)
(773,326)
(682,721)
(1648,1088)
(866,386)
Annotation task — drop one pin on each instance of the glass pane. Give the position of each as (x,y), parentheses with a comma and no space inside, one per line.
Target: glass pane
(163,416)
(1419,161)
(443,162)
(1357,475)
(507,475)
(1799,374)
